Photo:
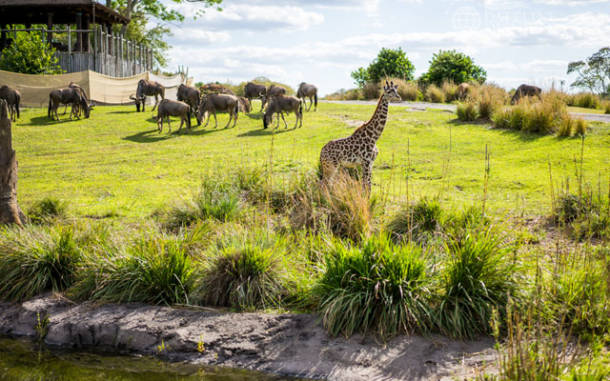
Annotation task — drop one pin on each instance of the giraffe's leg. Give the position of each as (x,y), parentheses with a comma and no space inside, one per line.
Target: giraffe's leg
(367,170)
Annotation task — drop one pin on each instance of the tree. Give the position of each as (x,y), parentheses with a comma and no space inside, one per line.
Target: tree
(451,65)
(29,54)
(593,73)
(389,63)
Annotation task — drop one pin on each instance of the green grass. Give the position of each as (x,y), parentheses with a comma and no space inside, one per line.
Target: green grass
(115,163)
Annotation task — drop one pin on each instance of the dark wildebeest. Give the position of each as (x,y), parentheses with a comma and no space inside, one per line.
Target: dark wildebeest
(215,88)
(244,105)
(148,89)
(462,91)
(83,93)
(281,104)
(13,99)
(68,95)
(190,96)
(309,91)
(214,103)
(253,90)
(167,108)
(272,91)
(526,91)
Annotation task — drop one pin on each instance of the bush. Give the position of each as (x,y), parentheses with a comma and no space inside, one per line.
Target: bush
(419,219)
(580,127)
(371,90)
(29,54)
(585,100)
(566,128)
(449,90)
(491,98)
(541,117)
(47,210)
(247,277)
(377,287)
(154,270)
(388,63)
(450,65)
(33,261)
(467,112)
(434,94)
(408,91)
(478,279)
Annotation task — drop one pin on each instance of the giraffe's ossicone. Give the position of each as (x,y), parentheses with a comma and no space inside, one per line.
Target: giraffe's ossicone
(360,148)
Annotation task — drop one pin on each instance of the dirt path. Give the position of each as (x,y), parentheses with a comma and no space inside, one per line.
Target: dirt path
(422,106)
(286,344)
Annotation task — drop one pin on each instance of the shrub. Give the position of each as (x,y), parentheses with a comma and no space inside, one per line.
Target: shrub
(450,65)
(377,287)
(449,90)
(434,94)
(29,54)
(477,280)
(541,117)
(153,270)
(33,261)
(46,210)
(585,100)
(459,224)
(491,98)
(247,277)
(371,90)
(467,112)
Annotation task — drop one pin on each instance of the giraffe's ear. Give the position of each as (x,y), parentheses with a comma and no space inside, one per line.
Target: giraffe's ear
(386,84)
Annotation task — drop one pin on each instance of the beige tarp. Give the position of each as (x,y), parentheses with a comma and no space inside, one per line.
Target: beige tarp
(101,88)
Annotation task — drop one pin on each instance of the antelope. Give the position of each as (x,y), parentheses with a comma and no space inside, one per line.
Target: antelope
(218,103)
(190,96)
(281,104)
(167,108)
(253,90)
(13,99)
(69,95)
(309,91)
(148,88)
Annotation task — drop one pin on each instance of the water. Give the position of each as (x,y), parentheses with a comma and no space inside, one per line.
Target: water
(24,361)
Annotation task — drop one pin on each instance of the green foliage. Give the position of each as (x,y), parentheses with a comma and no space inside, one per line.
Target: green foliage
(450,65)
(30,55)
(467,112)
(417,220)
(33,261)
(593,73)
(47,210)
(377,287)
(478,279)
(585,100)
(389,63)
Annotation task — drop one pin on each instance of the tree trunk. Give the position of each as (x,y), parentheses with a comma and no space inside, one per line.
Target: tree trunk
(10,213)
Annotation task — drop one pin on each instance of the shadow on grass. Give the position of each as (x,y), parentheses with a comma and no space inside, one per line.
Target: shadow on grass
(123,112)
(150,136)
(45,121)
(265,132)
(255,115)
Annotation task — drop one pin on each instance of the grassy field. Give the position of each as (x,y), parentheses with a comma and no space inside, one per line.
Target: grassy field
(117,163)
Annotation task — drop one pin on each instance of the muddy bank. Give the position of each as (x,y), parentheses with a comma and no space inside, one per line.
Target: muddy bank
(287,344)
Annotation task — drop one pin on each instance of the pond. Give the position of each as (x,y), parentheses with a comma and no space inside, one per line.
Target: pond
(23,360)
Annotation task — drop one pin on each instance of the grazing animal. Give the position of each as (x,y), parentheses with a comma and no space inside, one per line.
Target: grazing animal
(148,89)
(359,148)
(462,90)
(244,105)
(167,108)
(525,91)
(76,86)
(213,103)
(68,95)
(281,104)
(253,90)
(190,96)
(13,100)
(309,91)
(272,91)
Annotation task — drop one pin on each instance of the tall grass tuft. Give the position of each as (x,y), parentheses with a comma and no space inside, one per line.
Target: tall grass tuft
(371,90)
(566,128)
(408,91)
(418,220)
(47,210)
(245,277)
(467,112)
(580,127)
(33,261)
(585,100)
(374,288)
(153,270)
(607,107)
(449,90)
(478,279)
(434,94)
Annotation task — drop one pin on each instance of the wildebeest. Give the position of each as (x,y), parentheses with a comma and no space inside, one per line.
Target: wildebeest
(83,93)
(215,88)
(13,99)
(309,91)
(525,91)
(244,105)
(190,96)
(214,103)
(272,91)
(281,104)
(148,89)
(167,108)
(68,95)
(462,90)
(253,90)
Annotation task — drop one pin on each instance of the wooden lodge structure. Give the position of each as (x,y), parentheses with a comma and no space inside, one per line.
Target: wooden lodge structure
(80,31)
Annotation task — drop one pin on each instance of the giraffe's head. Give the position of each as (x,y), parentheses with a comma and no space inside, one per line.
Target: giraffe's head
(390,92)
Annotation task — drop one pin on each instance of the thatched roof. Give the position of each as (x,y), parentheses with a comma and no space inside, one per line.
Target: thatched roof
(64,12)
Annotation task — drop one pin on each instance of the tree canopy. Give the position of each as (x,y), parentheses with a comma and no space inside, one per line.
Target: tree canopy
(451,65)
(593,73)
(389,63)
(29,54)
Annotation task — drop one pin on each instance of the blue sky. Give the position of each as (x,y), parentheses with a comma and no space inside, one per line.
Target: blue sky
(323,41)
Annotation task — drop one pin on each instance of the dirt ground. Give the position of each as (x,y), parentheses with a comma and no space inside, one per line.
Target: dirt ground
(285,344)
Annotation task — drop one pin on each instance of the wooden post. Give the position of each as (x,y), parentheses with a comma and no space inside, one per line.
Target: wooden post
(3,39)
(79,35)
(69,40)
(85,35)
(10,213)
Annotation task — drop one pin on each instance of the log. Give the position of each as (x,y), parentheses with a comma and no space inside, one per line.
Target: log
(10,213)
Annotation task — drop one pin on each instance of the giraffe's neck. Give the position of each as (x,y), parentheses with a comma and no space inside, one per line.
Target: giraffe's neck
(374,127)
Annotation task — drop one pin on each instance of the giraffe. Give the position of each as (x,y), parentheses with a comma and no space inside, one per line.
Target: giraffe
(360,147)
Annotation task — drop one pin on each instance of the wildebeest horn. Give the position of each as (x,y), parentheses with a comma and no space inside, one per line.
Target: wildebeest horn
(132,97)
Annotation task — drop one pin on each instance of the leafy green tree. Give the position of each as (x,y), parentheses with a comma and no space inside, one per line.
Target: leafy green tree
(593,73)
(451,65)
(29,54)
(389,63)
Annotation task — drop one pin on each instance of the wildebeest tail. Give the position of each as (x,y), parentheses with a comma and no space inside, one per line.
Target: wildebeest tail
(188,118)
(17,102)
(301,107)
(237,107)
(315,98)
(49,108)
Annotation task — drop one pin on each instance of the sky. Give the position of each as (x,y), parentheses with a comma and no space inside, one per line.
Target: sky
(323,41)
